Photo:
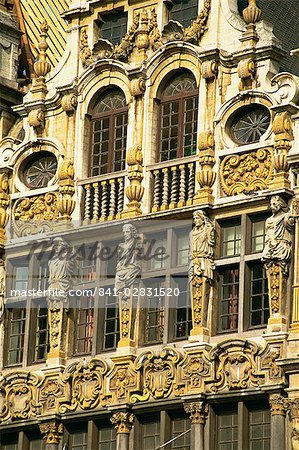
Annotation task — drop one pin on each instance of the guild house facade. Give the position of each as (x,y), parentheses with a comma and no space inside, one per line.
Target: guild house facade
(149,233)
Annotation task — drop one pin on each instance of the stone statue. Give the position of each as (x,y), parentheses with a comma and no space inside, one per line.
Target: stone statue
(61,269)
(202,246)
(278,241)
(128,268)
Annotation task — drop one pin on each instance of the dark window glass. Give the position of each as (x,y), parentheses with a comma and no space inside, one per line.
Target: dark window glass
(87,256)
(109,119)
(250,123)
(178,120)
(259,300)
(78,441)
(155,313)
(259,429)
(257,235)
(150,434)
(179,426)
(183,319)
(229,299)
(111,336)
(20,274)
(84,326)
(40,169)
(184,11)
(9,442)
(107,438)
(231,240)
(16,330)
(36,441)
(227,431)
(114,26)
(42,335)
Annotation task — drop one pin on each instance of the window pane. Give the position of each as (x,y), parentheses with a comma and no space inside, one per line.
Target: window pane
(111,327)
(150,434)
(107,438)
(229,299)
(184,11)
(42,335)
(183,248)
(179,426)
(259,299)
(84,326)
(259,429)
(114,27)
(227,429)
(258,236)
(16,328)
(157,252)
(183,319)
(154,323)
(231,240)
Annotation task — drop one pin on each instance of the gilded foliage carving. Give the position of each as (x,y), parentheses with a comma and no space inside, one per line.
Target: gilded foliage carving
(50,393)
(85,382)
(158,374)
(52,431)
(19,396)
(246,172)
(34,214)
(123,421)
(123,380)
(193,370)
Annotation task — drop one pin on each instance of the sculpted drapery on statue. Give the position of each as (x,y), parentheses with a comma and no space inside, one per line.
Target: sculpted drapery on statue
(201,270)
(127,274)
(276,258)
(278,241)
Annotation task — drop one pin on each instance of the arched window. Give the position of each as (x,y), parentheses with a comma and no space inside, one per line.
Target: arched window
(178,118)
(109,133)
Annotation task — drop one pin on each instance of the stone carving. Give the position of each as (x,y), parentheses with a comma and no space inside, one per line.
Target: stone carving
(85,381)
(123,421)
(270,362)
(35,214)
(85,52)
(198,412)
(41,68)
(285,88)
(61,269)
(209,70)
(102,49)
(205,176)
(19,393)
(66,204)
(123,378)
(52,432)
(202,267)
(198,27)
(2,288)
(277,405)
(293,405)
(69,103)
(246,73)
(278,240)
(138,86)
(173,31)
(4,203)
(36,118)
(127,274)
(252,13)
(135,190)
(50,393)
(236,366)
(158,374)
(247,172)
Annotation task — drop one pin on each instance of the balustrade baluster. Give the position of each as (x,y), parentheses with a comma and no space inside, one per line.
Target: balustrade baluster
(174,188)
(191,184)
(112,203)
(120,200)
(96,203)
(104,206)
(182,196)
(87,203)
(165,193)
(157,189)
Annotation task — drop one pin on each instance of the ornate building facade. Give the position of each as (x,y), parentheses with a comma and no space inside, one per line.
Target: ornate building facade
(172,122)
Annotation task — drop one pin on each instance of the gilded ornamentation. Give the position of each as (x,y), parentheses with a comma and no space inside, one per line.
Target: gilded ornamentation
(4,203)
(206,176)
(157,373)
(123,422)
(69,103)
(155,37)
(198,412)
(41,68)
(52,431)
(198,27)
(66,204)
(202,266)
(85,52)
(248,171)
(246,73)
(135,190)
(270,362)
(85,381)
(19,391)
(285,88)
(2,288)
(236,366)
(36,118)
(50,393)
(277,405)
(252,13)
(192,372)
(283,136)
(35,214)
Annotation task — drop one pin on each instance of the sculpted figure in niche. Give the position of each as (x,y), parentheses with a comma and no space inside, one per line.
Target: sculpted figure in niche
(202,246)
(128,268)
(278,240)
(61,269)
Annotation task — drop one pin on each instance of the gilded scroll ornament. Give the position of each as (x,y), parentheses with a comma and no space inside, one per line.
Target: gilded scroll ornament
(50,393)
(123,422)
(52,431)
(198,412)
(85,381)
(248,171)
(201,271)
(158,374)
(35,214)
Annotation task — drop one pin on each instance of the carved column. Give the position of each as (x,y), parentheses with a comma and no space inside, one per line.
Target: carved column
(4,203)
(293,405)
(283,135)
(278,414)
(135,191)
(198,412)
(206,176)
(66,203)
(294,327)
(52,432)
(123,422)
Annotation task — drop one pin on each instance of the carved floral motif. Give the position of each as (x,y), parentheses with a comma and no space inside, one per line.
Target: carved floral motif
(198,412)
(123,421)
(247,172)
(52,431)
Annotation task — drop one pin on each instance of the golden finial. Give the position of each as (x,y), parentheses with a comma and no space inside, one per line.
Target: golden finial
(252,13)
(42,67)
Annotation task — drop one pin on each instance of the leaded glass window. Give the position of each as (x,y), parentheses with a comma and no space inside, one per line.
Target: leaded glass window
(183,319)
(114,26)
(178,118)
(229,299)
(109,133)
(42,334)
(259,299)
(16,329)
(179,427)
(259,429)
(111,335)
(84,326)
(227,428)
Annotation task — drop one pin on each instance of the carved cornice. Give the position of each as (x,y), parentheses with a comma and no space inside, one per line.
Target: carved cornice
(123,422)
(198,412)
